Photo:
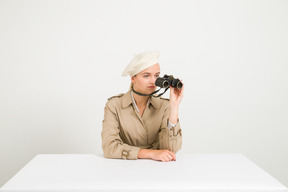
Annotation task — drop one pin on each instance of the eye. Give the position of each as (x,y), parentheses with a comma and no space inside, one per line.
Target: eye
(156,75)
(145,76)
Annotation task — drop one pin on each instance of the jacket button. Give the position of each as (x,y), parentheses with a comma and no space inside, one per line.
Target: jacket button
(125,154)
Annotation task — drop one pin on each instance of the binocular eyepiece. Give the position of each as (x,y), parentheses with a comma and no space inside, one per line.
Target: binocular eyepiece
(168,80)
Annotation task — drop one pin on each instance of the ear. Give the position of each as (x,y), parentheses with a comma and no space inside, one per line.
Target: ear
(133,79)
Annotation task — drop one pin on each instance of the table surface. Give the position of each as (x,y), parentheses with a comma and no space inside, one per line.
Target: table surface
(190,172)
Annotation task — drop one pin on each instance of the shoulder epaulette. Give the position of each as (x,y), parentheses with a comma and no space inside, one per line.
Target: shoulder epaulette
(119,95)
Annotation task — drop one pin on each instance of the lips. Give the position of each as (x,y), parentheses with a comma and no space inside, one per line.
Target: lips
(151,87)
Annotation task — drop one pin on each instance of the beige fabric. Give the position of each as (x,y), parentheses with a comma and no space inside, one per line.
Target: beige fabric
(124,131)
(140,62)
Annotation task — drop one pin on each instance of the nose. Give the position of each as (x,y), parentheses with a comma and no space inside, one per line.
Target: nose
(152,80)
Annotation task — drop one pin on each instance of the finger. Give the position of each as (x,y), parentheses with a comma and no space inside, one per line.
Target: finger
(165,158)
(182,90)
(179,91)
(175,91)
(172,89)
(173,155)
(170,156)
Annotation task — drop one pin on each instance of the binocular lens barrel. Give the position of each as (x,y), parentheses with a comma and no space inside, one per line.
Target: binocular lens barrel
(161,82)
(179,85)
(165,84)
(166,81)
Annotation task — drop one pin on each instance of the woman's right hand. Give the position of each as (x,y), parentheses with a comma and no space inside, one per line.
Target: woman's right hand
(163,155)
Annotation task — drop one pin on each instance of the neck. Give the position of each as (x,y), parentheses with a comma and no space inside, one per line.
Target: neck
(140,100)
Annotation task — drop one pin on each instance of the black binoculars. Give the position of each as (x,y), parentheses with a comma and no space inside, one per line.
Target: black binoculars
(168,80)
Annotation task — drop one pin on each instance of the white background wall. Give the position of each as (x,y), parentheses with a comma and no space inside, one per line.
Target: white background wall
(61,60)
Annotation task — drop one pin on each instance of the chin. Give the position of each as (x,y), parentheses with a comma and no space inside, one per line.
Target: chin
(151,90)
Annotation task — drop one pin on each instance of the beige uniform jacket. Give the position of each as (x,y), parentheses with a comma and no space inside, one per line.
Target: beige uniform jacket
(124,131)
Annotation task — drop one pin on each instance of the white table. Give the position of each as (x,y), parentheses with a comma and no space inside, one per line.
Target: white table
(190,172)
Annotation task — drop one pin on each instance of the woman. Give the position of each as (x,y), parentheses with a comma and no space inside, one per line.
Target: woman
(137,126)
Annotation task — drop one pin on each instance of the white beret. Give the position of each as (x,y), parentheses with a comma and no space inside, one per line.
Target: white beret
(140,62)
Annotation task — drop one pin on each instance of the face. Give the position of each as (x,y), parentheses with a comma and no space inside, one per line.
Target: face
(144,81)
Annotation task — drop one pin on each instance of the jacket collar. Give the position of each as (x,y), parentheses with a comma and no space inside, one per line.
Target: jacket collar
(155,102)
(127,100)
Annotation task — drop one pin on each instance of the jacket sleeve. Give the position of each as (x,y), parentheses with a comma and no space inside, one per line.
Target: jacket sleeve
(112,144)
(170,138)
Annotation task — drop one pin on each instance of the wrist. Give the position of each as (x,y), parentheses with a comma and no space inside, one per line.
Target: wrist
(173,104)
(173,120)
(150,153)
(173,115)
(145,153)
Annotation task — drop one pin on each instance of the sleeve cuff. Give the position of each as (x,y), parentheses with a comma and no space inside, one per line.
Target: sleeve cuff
(130,154)
(174,130)
(170,125)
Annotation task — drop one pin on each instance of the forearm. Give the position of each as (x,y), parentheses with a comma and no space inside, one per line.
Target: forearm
(145,154)
(173,114)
